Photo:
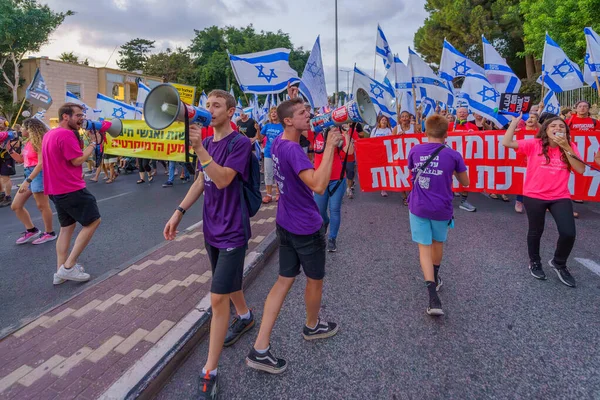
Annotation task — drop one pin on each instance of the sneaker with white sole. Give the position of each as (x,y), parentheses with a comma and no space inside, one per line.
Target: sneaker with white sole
(266,362)
(44,238)
(563,274)
(322,330)
(57,280)
(465,205)
(77,273)
(27,237)
(349,193)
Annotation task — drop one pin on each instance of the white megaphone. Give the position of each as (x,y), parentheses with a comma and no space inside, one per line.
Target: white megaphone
(163,106)
(361,109)
(114,127)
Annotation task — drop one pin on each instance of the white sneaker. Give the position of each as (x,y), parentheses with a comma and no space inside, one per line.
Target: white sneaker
(57,280)
(76,274)
(349,193)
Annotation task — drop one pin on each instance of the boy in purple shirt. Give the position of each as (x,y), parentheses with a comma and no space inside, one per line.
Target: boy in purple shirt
(430,201)
(300,231)
(226,228)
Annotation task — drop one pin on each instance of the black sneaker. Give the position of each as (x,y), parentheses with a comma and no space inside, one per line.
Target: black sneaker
(207,386)
(438,284)
(323,330)
(535,268)
(435,306)
(266,362)
(331,246)
(237,328)
(563,274)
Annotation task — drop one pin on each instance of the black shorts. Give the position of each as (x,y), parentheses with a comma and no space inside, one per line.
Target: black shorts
(79,206)
(144,165)
(306,250)
(7,167)
(350,170)
(227,267)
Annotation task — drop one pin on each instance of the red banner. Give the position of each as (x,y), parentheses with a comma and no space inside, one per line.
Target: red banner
(382,163)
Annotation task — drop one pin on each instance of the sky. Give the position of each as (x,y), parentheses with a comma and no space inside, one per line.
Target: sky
(100,26)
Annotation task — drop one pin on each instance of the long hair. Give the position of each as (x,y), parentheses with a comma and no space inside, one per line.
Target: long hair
(270,111)
(543,136)
(380,117)
(37,129)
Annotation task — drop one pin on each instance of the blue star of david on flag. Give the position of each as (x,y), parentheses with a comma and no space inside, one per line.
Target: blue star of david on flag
(461,68)
(377,91)
(118,113)
(261,73)
(313,69)
(492,96)
(559,69)
(551,109)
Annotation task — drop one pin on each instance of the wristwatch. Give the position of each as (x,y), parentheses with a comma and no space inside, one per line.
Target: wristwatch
(181,210)
(28,180)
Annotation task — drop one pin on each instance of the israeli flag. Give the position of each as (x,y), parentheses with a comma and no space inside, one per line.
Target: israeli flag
(382,95)
(429,106)
(111,108)
(231,92)
(591,69)
(202,100)
(559,72)
(497,71)
(255,108)
(400,75)
(382,49)
(264,72)
(72,98)
(455,64)
(142,93)
(427,83)
(40,114)
(483,99)
(551,104)
(238,110)
(312,85)
(406,102)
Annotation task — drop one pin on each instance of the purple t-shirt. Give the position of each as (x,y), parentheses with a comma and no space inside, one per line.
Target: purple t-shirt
(431,197)
(297,211)
(223,224)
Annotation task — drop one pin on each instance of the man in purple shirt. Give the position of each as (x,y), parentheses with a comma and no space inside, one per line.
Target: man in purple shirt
(430,201)
(300,231)
(223,158)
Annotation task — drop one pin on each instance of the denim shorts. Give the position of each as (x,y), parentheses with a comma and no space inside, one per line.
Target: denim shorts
(36,185)
(425,231)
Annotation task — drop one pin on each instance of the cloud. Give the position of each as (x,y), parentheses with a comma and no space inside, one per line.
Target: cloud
(101,25)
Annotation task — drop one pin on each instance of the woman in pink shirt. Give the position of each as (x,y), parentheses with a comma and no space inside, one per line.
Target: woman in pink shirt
(551,157)
(31,157)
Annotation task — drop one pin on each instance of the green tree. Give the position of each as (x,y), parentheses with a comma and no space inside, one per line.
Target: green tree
(563,20)
(25,26)
(209,51)
(173,66)
(70,57)
(134,54)
(462,23)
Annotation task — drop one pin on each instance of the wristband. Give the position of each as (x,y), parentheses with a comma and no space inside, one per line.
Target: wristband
(28,180)
(181,210)
(207,163)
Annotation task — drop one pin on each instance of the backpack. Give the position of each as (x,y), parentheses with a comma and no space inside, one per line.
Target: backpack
(250,190)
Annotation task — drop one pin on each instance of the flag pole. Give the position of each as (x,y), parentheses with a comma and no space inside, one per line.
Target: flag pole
(412,75)
(542,99)
(375,60)
(597,84)
(19,113)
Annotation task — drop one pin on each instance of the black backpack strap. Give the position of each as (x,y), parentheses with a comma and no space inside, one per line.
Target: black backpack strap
(339,182)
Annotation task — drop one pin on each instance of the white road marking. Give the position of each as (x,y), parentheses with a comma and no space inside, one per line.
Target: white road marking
(113,197)
(589,264)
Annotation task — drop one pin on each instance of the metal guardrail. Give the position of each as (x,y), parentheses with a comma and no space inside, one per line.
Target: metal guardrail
(569,98)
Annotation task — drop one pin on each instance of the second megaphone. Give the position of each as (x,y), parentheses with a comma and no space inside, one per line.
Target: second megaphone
(114,127)
(359,110)
(163,106)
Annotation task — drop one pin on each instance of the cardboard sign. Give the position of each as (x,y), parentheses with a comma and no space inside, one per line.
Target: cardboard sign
(515,103)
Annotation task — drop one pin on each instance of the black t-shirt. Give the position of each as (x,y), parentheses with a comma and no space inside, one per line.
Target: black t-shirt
(247,128)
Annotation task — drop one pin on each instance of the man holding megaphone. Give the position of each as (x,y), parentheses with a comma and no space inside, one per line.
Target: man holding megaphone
(223,157)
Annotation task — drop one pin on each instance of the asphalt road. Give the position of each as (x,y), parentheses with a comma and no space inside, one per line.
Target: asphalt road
(133,218)
(505,335)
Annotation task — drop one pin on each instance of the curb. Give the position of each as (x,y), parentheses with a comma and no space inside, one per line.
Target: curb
(101,278)
(150,373)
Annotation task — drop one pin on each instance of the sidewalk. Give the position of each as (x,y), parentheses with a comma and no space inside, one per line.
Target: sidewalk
(81,348)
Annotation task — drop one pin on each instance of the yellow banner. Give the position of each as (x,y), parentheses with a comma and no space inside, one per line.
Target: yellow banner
(186,92)
(140,141)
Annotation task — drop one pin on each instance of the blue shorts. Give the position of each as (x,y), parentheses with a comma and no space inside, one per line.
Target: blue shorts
(425,231)
(36,185)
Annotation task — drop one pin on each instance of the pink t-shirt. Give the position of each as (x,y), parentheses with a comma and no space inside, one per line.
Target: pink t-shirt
(59,147)
(545,181)
(30,157)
